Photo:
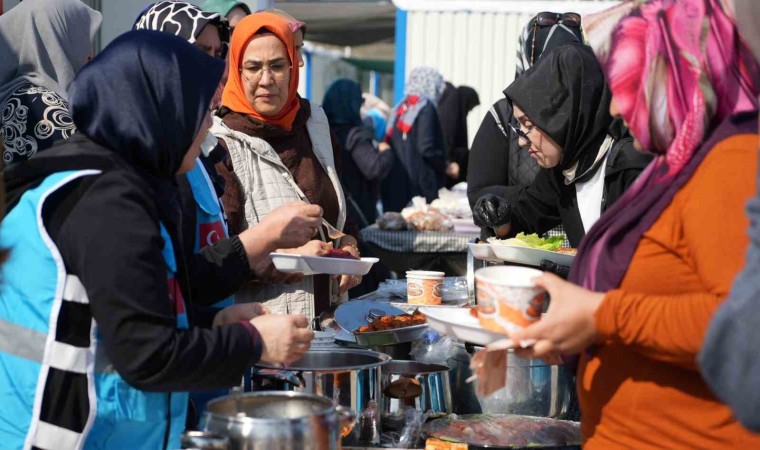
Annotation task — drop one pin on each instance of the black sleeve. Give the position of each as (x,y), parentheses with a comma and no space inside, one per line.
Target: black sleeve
(488,162)
(429,140)
(218,270)
(111,240)
(535,208)
(373,165)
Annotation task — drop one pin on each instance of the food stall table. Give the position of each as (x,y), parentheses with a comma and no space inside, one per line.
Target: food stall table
(420,250)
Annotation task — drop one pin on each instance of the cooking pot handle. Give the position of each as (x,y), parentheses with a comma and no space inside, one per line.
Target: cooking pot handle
(346,418)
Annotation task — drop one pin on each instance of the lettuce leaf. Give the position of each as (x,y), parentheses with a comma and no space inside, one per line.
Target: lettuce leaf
(533,241)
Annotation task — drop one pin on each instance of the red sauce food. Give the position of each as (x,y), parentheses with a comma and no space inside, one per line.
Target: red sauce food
(340,254)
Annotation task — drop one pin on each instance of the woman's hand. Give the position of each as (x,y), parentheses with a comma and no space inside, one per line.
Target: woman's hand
(494,212)
(568,327)
(312,248)
(239,312)
(349,245)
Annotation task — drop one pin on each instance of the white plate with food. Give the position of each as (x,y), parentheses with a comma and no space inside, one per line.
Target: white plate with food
(336,264)
(483,251)
(459,323)
(531,250)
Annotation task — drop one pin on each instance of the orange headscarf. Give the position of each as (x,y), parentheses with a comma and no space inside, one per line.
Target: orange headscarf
(233,96)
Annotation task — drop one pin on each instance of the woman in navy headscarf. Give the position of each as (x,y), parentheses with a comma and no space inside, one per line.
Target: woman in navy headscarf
(364,164)
(97,350)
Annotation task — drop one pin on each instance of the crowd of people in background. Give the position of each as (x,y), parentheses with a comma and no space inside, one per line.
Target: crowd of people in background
(145,187)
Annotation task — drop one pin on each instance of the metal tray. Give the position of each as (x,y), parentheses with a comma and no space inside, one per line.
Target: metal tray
(389,337)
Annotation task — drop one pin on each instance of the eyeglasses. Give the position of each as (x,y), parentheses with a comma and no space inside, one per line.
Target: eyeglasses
(548,19)
(278,71)
(523,134)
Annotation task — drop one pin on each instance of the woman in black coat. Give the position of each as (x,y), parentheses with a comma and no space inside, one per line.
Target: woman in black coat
(587,160)
(414,133)
(364,164)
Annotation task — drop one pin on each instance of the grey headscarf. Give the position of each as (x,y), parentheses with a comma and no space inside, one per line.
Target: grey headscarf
(747,12)
(425,82)
(45,42)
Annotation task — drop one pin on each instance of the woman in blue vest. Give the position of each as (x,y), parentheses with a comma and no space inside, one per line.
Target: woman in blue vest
(95,352)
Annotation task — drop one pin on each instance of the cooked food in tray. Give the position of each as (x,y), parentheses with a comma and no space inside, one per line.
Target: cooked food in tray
(393,322)
(339,254)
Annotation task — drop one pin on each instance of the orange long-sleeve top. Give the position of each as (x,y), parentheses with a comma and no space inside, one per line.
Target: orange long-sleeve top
(640,388)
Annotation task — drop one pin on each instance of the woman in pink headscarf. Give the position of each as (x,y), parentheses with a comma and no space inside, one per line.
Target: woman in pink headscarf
(652,271)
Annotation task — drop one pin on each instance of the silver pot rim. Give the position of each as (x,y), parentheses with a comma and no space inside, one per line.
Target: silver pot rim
(330,407)
(382,360)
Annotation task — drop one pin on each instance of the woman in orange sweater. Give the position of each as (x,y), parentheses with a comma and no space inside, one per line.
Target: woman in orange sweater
(655,267)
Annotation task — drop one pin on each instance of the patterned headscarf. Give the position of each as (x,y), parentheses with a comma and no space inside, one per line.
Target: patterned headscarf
(425,82)
(424,85)
(677,70)
(547,38)
(181,19)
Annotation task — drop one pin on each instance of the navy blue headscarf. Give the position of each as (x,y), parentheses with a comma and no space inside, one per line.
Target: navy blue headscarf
(342,103)
(145,97)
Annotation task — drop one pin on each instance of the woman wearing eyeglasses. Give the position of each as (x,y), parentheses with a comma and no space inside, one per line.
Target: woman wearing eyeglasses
(496,160)
(280,150)
(587,161)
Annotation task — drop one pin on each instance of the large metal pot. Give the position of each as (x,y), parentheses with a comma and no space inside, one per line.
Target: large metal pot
(424,387)
(276,421)
(350,377)
(533,388)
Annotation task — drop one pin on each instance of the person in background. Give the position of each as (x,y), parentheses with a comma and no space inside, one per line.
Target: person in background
(414,133)
(453,107)
(208,31)
(496,161)
(232,10)
(364,165)
(280,151)
(587,160)
(109,292)
(728,359)
(651,273)
(374,114)
(46,42)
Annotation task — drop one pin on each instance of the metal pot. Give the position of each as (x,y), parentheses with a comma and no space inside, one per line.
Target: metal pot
(533,388)
(276,421)
(350,377)
(424,387)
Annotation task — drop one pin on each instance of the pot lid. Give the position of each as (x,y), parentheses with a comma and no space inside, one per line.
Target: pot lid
(357,313)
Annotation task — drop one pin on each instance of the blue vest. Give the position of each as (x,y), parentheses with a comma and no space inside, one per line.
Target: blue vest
(210,225)
(36,295)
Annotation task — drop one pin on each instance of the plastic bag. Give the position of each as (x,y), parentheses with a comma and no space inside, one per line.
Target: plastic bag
(392,221)
(412,431)
(433,348)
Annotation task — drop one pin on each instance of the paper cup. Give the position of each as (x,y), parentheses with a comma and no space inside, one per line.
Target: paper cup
(424,288)
(508,299)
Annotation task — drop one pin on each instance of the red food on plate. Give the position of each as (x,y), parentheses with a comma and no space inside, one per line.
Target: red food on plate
(340,254)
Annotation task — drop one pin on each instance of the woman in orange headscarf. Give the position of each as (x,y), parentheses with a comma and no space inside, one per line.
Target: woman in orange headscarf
(281,150)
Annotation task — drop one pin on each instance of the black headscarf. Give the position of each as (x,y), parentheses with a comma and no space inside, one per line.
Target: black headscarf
(143,98)
(565,95)
(453,107)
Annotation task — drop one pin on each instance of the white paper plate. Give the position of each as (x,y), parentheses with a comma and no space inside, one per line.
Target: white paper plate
(530,256)
(314,265)
(459,323)
(483,251)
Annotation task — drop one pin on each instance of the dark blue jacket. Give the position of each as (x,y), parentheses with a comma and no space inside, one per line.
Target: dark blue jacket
(419,166)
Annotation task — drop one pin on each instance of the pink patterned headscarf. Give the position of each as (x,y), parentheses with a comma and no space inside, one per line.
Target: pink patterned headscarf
(677,69)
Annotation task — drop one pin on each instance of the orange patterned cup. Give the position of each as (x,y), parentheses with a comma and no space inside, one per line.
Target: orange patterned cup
(508,299)
(424,287)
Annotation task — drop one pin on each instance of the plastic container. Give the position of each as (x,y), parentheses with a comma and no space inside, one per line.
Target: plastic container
(424,287)
(508,299)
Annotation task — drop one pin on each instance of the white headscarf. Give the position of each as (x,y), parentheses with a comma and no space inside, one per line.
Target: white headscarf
(45,42)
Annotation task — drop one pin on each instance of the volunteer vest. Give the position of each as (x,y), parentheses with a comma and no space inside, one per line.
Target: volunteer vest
(59,390)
